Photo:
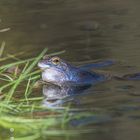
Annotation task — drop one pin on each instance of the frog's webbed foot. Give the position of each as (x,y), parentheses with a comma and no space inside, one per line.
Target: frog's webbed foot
(133,76)
(98,65)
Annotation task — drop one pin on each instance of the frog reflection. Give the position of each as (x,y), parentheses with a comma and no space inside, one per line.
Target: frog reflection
(55,95)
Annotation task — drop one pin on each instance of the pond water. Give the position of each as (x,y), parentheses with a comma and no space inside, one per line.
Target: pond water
(88,30)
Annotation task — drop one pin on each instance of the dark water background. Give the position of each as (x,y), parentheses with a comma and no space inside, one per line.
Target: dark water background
(87,30)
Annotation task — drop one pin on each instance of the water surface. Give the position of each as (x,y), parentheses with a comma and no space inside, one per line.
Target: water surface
(88,30)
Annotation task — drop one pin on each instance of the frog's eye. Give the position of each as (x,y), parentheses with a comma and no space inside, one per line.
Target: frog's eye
(56,60)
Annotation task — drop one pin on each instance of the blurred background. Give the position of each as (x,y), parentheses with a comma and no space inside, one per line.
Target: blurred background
(88,30)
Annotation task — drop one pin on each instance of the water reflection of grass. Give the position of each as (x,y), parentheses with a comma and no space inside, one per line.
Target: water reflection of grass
(24,117)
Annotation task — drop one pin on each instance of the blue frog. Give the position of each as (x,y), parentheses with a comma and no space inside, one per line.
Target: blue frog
(58,71)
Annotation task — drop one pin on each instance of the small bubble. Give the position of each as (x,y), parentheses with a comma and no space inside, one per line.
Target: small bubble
(11,129)
(43,26)
(11,138)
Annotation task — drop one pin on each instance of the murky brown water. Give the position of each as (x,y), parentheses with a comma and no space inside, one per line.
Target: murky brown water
(87,30)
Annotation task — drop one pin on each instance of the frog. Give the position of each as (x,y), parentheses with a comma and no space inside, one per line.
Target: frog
(59,72)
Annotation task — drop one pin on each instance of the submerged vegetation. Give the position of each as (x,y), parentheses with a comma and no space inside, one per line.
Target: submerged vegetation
(22,115)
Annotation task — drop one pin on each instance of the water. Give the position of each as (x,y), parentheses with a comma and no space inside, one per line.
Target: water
(88,30)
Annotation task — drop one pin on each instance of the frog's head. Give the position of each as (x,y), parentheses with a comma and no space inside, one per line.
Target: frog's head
(54,69)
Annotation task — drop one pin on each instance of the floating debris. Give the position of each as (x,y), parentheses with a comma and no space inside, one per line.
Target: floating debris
(14,70)
(4,30)
(2,48)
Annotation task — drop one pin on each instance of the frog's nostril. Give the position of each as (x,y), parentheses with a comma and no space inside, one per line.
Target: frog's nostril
(46,57)
(39,64)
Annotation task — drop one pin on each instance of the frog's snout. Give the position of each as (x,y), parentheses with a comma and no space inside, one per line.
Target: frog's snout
(42,65)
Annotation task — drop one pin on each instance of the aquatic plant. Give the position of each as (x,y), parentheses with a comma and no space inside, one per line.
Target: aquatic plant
(21,114)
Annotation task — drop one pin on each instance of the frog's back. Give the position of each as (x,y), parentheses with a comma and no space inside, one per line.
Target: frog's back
(83,77)
(101,64)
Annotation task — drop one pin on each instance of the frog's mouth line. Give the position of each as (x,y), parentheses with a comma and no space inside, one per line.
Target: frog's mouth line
(43,66)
